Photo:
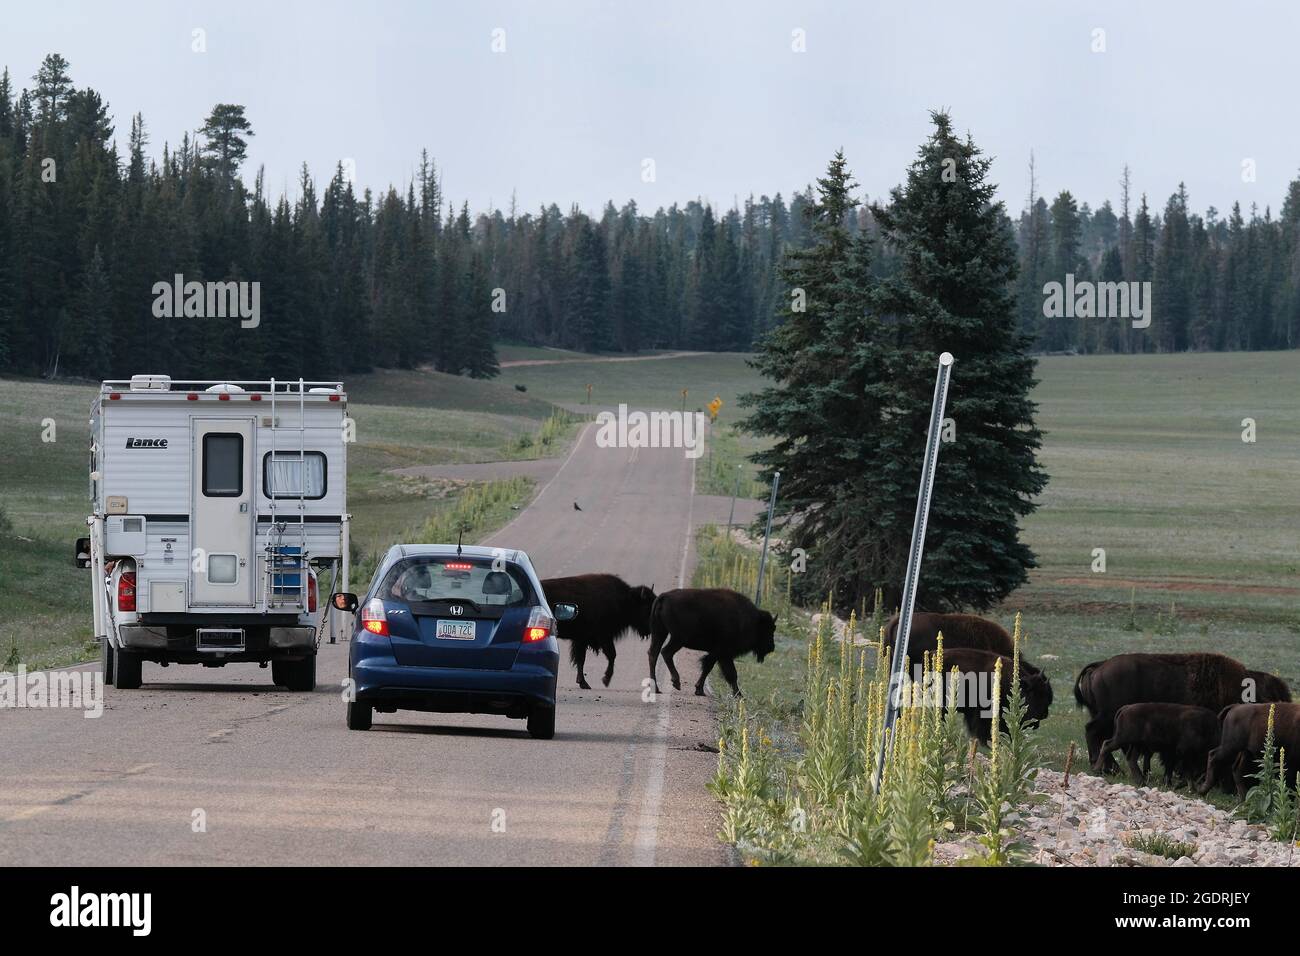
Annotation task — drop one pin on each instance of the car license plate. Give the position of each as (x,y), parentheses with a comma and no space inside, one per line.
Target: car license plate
(455,630)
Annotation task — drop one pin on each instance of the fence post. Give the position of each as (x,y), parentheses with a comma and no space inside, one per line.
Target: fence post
(732,515)
(762,557)
(904,631)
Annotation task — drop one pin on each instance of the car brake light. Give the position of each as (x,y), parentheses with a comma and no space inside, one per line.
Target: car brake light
(539,626)
(311,593)
(126,591)
(374,618)
(458,566)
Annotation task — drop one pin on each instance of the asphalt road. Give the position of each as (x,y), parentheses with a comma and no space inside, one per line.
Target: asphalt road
(218,766)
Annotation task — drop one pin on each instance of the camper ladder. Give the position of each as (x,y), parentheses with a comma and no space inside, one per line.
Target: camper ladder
(286,561)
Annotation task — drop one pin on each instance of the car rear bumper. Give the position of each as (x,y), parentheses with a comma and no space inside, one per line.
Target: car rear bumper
(383,682)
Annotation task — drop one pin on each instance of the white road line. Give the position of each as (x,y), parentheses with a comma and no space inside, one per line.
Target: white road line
(647,830)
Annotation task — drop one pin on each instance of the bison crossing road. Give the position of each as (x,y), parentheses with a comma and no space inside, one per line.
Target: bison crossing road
(608,607)
(722,623)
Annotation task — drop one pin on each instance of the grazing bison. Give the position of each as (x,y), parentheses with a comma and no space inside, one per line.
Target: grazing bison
(608,607)
(959,630)
(1201,679)
(975,691)
(1181,734)
(1244,727)
(718,621)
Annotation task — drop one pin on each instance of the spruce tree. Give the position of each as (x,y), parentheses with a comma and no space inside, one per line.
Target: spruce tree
(826,400)
(954,292)
(852,378)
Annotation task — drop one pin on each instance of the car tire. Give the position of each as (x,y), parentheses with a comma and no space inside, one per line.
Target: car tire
(541,722)
(128,668)
(299,675)
(359,715)
(280,673)
(107,658)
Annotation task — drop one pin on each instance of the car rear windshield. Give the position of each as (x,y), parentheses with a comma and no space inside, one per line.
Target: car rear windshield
(424,578)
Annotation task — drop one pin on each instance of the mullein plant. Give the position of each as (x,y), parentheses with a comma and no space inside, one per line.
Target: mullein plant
(824,805)
(748,785)
(834,709)
(1006,781)
(1270,801)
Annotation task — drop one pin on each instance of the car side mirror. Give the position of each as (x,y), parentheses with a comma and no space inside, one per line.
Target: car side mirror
(82,552)
(344,601)
(565,612)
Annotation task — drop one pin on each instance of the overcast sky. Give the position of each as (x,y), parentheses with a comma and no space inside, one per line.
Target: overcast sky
(711,91)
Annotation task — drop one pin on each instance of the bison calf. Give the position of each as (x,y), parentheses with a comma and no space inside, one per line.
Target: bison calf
(975,702)
(1243,729)
(1181,734)
(608,607)
(718,621)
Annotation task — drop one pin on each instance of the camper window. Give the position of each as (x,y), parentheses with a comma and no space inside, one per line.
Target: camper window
(223,470)
(283,475)
(223,568)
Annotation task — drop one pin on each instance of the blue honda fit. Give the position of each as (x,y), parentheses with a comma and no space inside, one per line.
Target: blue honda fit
(454,629)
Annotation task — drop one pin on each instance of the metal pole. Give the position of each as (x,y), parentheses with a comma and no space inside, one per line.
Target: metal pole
(762,557)
(904,629)
(731,517)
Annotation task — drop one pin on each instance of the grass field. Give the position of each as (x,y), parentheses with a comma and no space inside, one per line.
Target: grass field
(647,383)
(1147,461)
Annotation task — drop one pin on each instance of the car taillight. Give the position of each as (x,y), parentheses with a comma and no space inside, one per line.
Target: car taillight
(126,591)
(311,594)
(539,626)
(374,618)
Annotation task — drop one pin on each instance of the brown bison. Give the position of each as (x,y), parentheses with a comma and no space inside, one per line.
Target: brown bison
(608,607)
(1241,742)
(1200,679)
(718,621)
(1181,734)
(975,691)
(959,630)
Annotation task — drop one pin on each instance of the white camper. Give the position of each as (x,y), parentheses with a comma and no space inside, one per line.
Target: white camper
(216,506)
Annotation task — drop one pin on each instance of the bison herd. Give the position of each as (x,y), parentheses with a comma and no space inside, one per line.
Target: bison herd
(1204,715)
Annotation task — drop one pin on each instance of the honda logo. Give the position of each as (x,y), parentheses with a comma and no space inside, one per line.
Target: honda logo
(457,610)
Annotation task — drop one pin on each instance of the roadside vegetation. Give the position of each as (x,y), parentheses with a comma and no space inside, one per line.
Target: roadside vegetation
(796,777)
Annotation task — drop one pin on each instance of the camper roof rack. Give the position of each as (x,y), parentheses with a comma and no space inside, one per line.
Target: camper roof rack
(267,386)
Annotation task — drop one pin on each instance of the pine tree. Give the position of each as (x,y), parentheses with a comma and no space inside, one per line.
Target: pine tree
(1059,332)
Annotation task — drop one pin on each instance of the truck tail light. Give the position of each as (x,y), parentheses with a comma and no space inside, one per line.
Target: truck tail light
(374,617)
(126,591)
(311,593)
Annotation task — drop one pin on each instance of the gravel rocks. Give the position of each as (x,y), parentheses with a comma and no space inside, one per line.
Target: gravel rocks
(1088,823)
